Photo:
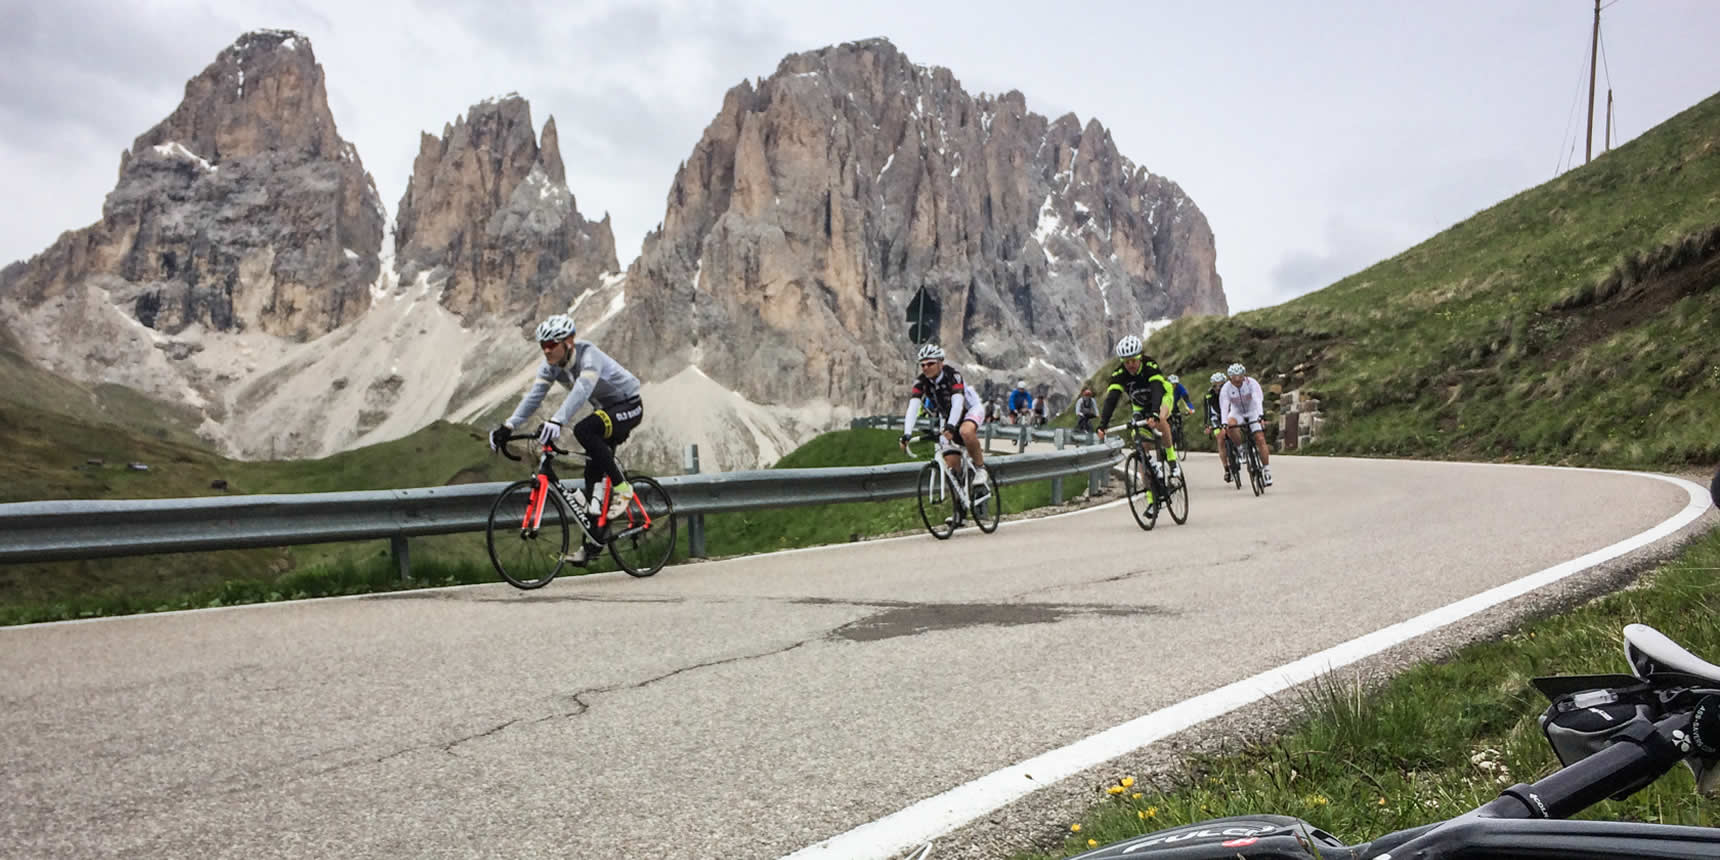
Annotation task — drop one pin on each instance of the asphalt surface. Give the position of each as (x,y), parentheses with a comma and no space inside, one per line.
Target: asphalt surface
(744,708)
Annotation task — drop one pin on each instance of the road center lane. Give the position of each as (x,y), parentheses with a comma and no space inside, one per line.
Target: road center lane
(743,708)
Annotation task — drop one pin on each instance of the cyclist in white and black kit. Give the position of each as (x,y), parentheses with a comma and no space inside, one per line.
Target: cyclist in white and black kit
(1244,404)
(954,403)
(590,375)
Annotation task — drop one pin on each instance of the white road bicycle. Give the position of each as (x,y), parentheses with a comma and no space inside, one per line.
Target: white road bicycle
(947,499)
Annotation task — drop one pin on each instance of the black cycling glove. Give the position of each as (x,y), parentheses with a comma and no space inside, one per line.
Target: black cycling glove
(499,437)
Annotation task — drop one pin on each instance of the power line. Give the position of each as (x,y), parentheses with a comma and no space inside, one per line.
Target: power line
(1576,97)
(1608,70)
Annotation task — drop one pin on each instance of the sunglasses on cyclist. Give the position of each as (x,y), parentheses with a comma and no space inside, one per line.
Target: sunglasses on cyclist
(929,362)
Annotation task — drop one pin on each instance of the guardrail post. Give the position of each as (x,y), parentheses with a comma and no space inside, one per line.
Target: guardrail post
(402,556)
(1060,438)
(990,434)
(696,522)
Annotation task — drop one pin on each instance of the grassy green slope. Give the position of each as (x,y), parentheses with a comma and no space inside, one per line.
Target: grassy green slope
(1576,322)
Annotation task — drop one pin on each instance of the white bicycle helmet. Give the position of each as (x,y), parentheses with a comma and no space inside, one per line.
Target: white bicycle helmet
(1173,379)
(931,351)
(1236,370)
(558,327)
(1022,384)
(1217,377)
(1129,346)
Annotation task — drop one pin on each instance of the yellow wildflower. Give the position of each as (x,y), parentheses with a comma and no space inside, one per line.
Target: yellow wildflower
(1135,796)
(1092,843)
(1128,781)
(1115,789)
(1075,828)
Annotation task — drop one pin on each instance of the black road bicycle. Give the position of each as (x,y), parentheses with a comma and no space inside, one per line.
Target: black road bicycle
(1250,458)
(1614,734)
(947,499)
(1177,431)
(532,524)
(1142,478)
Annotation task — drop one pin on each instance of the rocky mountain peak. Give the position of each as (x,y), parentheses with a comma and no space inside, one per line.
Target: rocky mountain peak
(263,93)
(489,222)
(241,213)
(823,200)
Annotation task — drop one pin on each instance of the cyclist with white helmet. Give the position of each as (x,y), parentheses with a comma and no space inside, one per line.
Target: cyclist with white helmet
(1180,395)
(1244,404)
(953,403)
(590,375)
(1215,419)
(1020,403)
(1149,394)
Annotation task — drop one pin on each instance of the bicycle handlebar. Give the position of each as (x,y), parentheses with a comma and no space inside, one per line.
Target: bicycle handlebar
(515,437)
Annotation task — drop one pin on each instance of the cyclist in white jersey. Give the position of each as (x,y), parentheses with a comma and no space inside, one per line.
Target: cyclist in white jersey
(956,406)
(1243,404)
(590,375)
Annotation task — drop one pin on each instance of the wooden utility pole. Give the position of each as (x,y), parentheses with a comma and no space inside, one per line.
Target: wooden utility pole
(1594,48)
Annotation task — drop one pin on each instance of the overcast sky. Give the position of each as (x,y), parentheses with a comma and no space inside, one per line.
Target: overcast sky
(1318,137)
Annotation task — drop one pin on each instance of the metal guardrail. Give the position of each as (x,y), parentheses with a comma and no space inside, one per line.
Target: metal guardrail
(60,530)
(991,430)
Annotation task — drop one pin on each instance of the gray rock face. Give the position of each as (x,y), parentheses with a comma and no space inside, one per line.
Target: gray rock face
(821,200)
(244,208)
(489,221)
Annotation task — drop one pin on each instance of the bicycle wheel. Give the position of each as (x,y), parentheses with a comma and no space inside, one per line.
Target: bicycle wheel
(644,537)
(937,503)
(1176,498)
(1256,475)
(1136,484)
(988,509)
(528,557)
(1235,461)
(1026,436)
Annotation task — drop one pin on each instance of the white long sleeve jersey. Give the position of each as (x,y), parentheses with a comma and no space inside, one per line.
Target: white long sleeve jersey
(1245,402)
(590,375)
(951,397)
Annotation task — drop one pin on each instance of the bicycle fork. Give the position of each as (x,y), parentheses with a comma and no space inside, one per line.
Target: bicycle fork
(534,508)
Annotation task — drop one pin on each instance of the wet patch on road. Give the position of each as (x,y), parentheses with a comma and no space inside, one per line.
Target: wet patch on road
(912,619)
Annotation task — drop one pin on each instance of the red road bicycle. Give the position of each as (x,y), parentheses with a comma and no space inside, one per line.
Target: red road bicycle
(532,524)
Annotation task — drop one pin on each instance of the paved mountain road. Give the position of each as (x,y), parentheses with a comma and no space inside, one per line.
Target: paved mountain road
(744,708)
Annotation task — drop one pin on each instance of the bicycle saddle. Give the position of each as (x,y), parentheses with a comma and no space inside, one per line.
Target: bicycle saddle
(1648,651)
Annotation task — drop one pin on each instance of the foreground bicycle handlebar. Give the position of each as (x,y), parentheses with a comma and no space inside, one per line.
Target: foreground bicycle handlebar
(1666,712)
(508,452)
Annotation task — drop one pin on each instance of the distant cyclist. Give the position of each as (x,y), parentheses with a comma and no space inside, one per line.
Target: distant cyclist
(1086,409)
(1149,394)
(1244,405)
(955,407)
(1215,420)
(1020,403)
(1180,396)
(1040,405)
(590,375)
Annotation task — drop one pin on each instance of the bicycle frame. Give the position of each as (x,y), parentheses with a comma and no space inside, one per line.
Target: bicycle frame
(547,479)
(947,479)
(1161,491)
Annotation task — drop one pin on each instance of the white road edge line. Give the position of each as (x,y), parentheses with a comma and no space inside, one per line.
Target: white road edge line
(935,816)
